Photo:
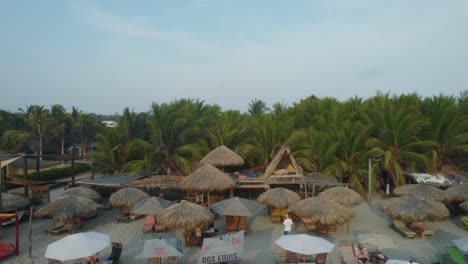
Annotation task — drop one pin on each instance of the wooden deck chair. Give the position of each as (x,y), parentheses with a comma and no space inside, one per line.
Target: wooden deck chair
(400,227)
(347,254)
(291,257)
(321,258)
(276,215)
(150,222)
(280,255)
(456,256)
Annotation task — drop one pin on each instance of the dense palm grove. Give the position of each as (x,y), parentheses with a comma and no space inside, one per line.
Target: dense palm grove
(407,132)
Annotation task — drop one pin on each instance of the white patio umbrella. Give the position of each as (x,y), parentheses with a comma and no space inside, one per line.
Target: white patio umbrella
(305,244)
(159,248)
(377,240)
(461,243)
(396,261)
(77,245)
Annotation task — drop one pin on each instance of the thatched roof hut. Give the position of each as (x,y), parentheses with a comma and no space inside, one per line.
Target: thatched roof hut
(342,195)
(424,191)
(12,202)
(152,205)
(283,160)
(69,206)
(84,192)
(279,198)
(161,182)
(222,157)
(185,215)
(410,208)
(238,206)
(322,210)
(207,179)
(127,197)
(464,205)
(459,191)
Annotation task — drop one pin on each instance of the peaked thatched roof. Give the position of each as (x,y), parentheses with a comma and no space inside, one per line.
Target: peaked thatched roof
(152,205)
(283,160)
(238,206)
(222,157)
(127,197)
(185,215)
(12,202)
(322,210)
(207,179)
(424,191)
(279,198)
(68,206)
(410,208)
(459,191)
(342,195)
(83,191)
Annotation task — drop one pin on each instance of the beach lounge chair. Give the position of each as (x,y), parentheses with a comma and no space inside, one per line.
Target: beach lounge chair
(456,256)
(123,216)
(426,231)
(400,227)
(6,249)
(150,222)
(158,227)
(20,215)
(116,252)
(347,254)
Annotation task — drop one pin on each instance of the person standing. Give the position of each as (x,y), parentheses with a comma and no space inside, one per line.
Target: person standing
(287,225)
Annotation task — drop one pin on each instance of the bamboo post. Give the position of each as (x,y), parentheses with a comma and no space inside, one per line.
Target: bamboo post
(31,209)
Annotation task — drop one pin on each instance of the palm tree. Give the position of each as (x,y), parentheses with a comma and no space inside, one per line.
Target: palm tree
(37,117)
(257,107)
(227,130)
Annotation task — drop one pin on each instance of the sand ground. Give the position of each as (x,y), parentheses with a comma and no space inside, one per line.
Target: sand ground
(259,243)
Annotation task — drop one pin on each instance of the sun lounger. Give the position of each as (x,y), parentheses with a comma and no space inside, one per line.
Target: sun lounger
(456,256)
(20,215)
(347,254)
(6,249)
(425,230)
(400,227)
(124,216)
(116,252)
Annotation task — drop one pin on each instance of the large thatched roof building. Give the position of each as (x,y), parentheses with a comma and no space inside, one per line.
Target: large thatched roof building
(283,161)
(222,157)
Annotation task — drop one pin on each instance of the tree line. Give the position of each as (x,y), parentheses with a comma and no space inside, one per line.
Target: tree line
(331,137)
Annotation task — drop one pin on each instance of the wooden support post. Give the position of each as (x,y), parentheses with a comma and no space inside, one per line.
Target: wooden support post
(25,175)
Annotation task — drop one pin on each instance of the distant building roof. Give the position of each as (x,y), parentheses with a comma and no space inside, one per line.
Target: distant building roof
(115,180)
(439,180)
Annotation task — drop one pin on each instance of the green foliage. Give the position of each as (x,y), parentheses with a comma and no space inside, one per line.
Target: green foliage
(57,173)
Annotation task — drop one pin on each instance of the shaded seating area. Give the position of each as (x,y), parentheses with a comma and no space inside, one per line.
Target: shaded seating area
(420,227)
(285,256)
(124,215)
(236,223)
(278,214)
(400,227)
(68,225)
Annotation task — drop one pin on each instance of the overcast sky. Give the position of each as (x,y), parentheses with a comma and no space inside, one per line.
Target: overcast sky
(102,56)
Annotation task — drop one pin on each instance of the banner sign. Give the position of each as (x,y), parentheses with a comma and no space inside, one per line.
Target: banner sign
(223,248)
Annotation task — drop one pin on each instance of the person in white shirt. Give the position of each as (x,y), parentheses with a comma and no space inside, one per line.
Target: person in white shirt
(287,225)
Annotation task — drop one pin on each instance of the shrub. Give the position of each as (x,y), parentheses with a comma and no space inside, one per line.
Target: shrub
(57,173)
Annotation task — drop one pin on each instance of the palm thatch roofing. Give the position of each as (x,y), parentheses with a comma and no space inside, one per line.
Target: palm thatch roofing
(185,215)
(410,208)
(222,156)
(279,198)
(322,210)
(342,195)
(424,191)
(464,205)
(152,205)
(83,191)
(68,206)
(127,197)
(207,179)
(459,191)
(283,160)
(162,182)
(13,202)
(238,207)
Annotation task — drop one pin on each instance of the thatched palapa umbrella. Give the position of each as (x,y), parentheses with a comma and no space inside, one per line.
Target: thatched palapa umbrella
(342,195)
(279,199)
(222,157)
(322,210)
(207,179)
(410,208)
(459,191)
(84,192)
(68,206)
(127,197)
(151,206)
(12,202)
(424,191)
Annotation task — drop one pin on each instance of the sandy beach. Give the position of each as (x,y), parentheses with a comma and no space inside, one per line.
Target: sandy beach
(259,243)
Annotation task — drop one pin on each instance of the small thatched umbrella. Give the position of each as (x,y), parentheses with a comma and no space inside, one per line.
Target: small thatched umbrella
(83,191)
(464,205)
(222,157)
(322,210)
(459,191)
(12,202)
(186,216)
(151,206)
(207,179)
(410,208)
(342,195)
(424,191)
(69,206)
(279,199)
(127,197)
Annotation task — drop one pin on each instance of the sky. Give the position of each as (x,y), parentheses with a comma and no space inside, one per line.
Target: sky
(103,56)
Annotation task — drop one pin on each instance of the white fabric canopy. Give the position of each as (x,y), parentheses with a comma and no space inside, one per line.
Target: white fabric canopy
(305,244)
(78,245)
(462,243)
(158,248)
